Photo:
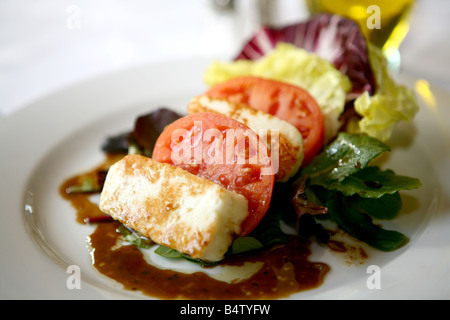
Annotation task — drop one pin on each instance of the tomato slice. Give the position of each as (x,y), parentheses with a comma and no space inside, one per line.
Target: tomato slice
(225,151)
(287,102)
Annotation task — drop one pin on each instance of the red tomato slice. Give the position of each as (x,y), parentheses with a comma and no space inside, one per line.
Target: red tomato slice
(288,102)
(225,151)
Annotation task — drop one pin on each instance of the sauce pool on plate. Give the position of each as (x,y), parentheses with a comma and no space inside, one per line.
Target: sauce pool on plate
(285,268)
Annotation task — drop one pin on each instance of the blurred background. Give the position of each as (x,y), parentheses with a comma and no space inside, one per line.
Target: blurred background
(46,45)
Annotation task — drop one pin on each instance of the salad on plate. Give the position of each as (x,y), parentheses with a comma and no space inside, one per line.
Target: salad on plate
(279,152)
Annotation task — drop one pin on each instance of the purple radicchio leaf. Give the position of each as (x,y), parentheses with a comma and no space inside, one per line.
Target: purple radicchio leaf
(146,131)
(332,37)
(148,127)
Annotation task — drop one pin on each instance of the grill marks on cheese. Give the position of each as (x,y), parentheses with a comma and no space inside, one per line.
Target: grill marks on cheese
(290,145)
(173,207)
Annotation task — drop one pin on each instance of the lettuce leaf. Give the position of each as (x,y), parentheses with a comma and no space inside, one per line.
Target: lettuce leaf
(390,104)
(296,66)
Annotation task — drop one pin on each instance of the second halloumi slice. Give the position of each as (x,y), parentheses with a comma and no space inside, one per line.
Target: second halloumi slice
(287,151)
(173,207)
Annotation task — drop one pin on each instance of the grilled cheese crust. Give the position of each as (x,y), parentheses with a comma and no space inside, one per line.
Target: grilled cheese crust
(290,143)
(173,207)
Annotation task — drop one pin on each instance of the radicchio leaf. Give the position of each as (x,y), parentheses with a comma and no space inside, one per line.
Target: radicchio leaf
(146,131)
(117,144)
(332,37)
(148,127)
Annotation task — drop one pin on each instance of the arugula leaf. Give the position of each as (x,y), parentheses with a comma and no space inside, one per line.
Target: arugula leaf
(167,252)
(268,231)
(87,186)
(347,154)
(360,225)
(341,180)
(372,182)
(385,207)
(243,244)
(174,254)
(134,237)
(308,227)
(354,215)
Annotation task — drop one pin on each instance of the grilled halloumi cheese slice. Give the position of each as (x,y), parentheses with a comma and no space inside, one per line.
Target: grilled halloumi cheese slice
(286,151)
(173,207)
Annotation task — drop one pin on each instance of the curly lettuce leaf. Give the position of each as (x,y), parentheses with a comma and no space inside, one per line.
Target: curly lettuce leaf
(288,63)
(390,104)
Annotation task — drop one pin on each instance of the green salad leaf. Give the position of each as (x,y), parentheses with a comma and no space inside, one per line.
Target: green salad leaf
(340,185)
(268,231)
(135,237)
(347,154)
(372,182)
(244,244)
(354,192)
(344,166)
(390,104)
(385,207)
(360,225)
(88,185)
(166,252)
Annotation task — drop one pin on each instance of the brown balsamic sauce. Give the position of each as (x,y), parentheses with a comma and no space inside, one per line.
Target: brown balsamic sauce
(353,253)
(84,207)
(285,267)
(286,270)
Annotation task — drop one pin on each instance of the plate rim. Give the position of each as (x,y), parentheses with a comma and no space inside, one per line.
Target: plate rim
(42,105)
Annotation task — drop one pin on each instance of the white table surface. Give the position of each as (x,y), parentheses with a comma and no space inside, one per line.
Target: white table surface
(47,45)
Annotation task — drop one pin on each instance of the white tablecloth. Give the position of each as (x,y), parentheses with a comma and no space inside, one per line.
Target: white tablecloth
(46,45)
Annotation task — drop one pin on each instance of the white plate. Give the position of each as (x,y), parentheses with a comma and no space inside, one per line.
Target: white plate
(60,135)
